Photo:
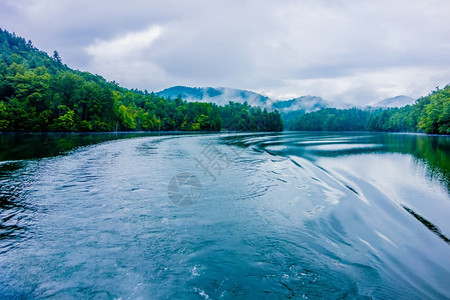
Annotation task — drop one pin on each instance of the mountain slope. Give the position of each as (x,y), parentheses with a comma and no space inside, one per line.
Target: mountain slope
(289,109)
(303,103)
(398,101)
(221,96)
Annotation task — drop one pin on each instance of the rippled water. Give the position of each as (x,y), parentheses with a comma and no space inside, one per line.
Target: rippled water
(286,215)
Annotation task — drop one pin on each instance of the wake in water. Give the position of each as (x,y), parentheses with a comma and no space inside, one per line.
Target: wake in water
(269,215)
(372,185)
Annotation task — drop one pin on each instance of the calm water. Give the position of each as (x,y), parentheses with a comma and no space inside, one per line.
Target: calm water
(290,215)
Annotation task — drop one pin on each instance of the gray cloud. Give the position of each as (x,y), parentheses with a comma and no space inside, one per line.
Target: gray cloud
(353,51)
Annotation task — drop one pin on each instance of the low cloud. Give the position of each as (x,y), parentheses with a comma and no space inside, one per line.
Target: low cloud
(125,57)
(352,51)
(124,47)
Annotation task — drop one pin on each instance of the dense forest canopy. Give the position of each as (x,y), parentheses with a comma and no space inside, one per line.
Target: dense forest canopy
(40,93)
(430,114)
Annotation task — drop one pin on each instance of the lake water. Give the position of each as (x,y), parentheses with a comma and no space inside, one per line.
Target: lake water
(217,216)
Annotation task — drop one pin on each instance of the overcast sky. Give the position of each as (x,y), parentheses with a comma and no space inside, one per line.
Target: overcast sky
(352,51)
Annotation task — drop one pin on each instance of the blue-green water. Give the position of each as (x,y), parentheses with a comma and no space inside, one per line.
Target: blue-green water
(286,215)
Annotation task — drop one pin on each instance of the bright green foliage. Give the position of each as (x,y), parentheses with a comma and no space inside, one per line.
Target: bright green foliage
(435,117)
(66,122)
(3,117)
(126,118)
(40,93)
(430,114)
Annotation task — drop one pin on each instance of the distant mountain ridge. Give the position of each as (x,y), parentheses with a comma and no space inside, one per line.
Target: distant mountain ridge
(219,95)
(398,101)
(303,104)
(222,96)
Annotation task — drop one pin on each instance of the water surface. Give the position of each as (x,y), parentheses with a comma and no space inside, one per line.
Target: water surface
(284,215)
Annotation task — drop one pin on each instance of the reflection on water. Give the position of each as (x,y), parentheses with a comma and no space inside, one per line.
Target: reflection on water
(293,215)
(428,224)
(16,211)
(15,146)
(432,150)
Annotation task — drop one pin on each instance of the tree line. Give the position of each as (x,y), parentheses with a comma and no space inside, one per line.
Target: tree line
(430,114)
(40,93)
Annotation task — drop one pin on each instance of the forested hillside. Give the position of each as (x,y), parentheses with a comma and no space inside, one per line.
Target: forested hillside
(40,93)
(430,114)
